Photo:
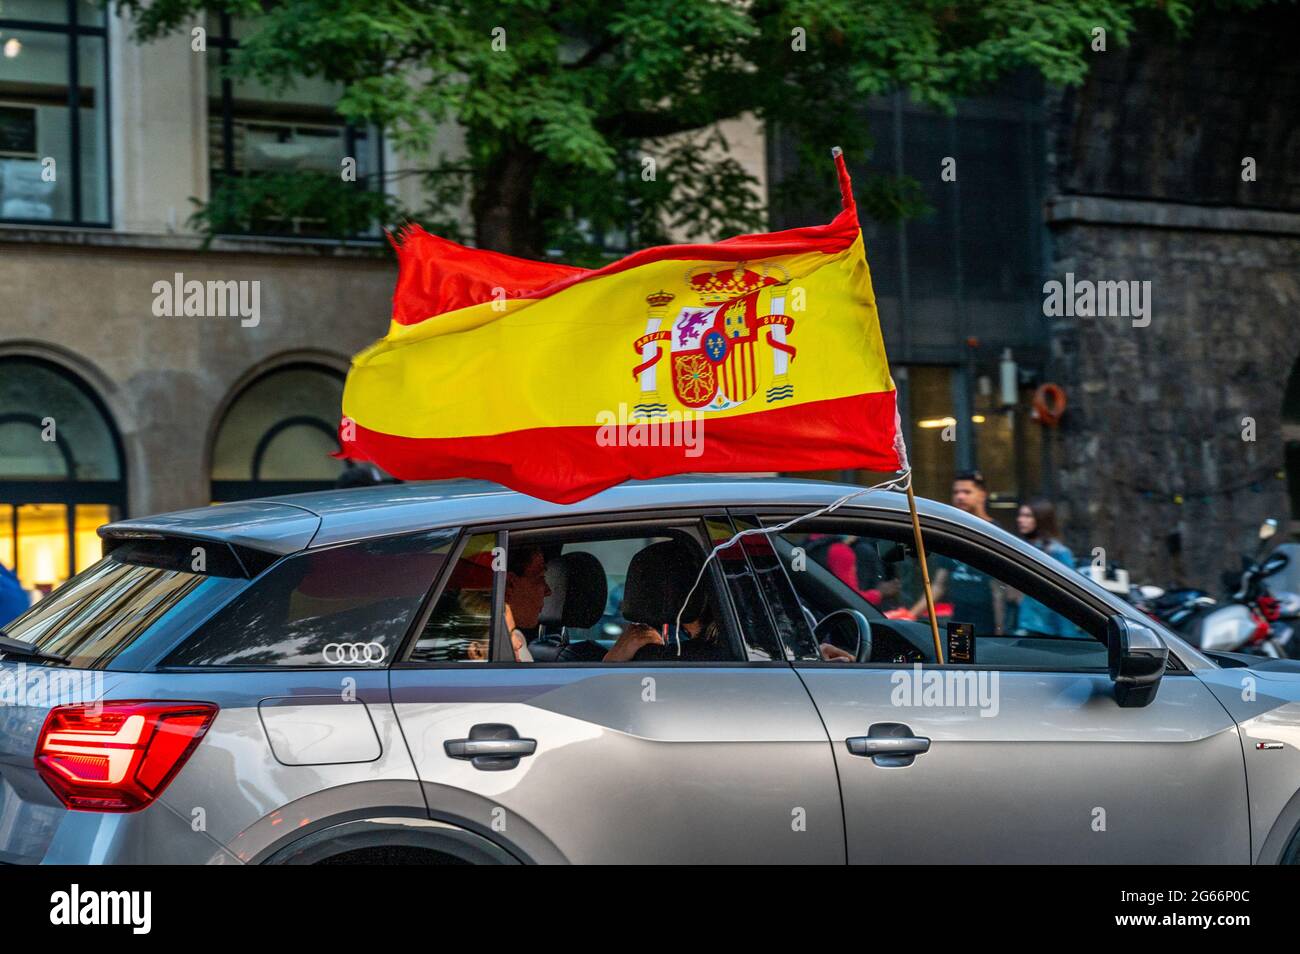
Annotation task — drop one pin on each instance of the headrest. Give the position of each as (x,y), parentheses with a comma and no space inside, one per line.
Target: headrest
(658,579)
(578,591)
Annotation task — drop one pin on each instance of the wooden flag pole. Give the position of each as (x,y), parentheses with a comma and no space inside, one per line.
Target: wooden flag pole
(846,194)
(925,572)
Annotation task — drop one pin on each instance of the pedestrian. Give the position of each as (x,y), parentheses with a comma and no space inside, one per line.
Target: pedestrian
(975,596)
(1036,524)
(14,600)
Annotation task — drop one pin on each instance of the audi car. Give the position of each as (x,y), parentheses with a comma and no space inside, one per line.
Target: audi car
(691,670)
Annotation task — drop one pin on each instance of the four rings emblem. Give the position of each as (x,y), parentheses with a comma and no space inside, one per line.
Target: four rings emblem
(337,654)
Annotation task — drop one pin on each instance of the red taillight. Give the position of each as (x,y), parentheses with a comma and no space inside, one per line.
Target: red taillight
(118,756)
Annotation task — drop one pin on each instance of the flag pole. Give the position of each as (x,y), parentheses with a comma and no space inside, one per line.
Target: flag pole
(925,572)
(846,195)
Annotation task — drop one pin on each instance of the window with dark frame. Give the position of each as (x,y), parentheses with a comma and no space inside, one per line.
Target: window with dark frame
(54,114)
(255,130)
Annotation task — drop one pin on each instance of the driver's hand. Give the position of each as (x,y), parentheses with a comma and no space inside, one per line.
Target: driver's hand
(633,638)
(835,654)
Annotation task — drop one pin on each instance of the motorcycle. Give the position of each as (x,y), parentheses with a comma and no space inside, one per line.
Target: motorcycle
(1253,619)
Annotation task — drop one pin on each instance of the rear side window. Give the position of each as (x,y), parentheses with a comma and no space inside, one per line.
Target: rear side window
(112,606)
(345,606)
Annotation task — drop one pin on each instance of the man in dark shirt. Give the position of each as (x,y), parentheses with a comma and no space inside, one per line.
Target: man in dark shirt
(975,597)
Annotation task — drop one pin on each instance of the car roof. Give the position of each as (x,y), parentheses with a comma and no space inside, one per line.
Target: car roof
(323,518)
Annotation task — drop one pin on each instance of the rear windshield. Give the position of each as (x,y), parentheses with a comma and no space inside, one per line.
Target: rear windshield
(347,606)
(111,607)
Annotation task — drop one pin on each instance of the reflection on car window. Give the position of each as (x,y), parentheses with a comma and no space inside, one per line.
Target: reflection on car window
(310,609)
(459,629)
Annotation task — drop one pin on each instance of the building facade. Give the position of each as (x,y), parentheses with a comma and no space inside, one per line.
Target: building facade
(115,397)
(114,400)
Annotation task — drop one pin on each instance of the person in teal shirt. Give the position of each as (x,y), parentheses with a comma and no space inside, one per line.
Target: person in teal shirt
(1036,523)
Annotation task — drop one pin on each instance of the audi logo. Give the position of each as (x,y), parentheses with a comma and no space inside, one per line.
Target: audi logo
(337,654)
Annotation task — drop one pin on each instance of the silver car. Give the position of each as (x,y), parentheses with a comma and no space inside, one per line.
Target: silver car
(455,673)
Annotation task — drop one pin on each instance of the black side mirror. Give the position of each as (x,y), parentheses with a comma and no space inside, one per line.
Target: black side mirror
(1137,660)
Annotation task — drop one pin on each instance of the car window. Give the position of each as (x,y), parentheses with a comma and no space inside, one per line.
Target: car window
(459,627)
(602,595)
(842,565)
(346,606)
(141,588)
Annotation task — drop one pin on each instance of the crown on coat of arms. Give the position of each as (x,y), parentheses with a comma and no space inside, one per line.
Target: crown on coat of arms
(728,283)
(659,299)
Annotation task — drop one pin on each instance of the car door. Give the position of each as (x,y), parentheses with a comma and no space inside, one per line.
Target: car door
(588,761)
(1023,755)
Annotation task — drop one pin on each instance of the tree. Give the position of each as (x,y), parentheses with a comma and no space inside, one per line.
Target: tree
(582,117)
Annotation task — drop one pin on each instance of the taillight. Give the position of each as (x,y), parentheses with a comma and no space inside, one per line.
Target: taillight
(118,756)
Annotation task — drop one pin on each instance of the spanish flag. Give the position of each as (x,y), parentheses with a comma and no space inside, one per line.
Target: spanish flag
(757,353)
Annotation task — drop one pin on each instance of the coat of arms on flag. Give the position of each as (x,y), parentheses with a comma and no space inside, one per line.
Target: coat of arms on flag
(721,342)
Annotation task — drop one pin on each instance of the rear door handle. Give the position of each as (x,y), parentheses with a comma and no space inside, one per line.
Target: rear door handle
(491,747)
(889,745)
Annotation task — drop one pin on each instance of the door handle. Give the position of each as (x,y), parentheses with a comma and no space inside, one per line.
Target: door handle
(889,745)
(474,748)
(491,747)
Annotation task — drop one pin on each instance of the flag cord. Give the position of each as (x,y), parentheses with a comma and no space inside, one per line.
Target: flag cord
(903,481)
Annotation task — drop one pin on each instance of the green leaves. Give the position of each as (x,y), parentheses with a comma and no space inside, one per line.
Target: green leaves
(568,97)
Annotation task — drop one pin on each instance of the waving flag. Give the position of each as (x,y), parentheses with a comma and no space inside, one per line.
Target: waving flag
(757,353)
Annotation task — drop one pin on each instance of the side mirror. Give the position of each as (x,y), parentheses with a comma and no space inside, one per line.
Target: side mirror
(846,629)
(1137,660)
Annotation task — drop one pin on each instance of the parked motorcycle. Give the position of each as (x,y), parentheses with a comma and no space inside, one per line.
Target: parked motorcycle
(1255,618)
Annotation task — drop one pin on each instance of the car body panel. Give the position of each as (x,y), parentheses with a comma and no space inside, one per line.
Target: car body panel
(1266,706)
(635,764)
(1057,773)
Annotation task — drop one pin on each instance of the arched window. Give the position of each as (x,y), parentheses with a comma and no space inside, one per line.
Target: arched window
(278,434)
(61,474)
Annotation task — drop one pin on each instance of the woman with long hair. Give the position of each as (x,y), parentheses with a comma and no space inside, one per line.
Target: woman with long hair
(1036,524)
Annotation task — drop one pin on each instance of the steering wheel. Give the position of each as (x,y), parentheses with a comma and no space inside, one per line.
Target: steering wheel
(846,629)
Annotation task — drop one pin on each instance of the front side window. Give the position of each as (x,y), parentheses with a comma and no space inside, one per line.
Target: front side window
(846,565)
(347,606)
(53,114)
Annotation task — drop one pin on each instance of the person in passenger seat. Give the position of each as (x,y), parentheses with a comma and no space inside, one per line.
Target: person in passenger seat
(526,591)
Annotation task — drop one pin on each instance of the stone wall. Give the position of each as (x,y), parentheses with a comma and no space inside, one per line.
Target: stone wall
(1153,443)
(1146,173)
